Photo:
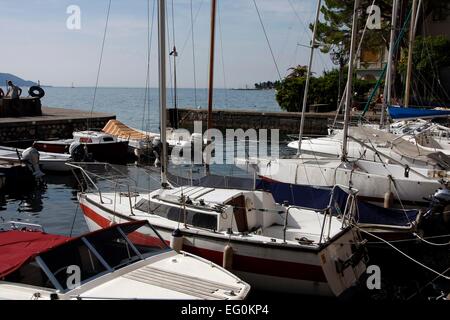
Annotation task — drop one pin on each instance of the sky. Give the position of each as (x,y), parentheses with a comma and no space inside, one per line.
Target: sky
(37,45)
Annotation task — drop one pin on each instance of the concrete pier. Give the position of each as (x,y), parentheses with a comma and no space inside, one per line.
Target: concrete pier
(54,123)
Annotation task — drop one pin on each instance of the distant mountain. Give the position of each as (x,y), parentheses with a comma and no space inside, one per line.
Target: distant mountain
(15,79)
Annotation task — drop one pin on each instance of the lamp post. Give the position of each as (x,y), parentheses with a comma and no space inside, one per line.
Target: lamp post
(339,56)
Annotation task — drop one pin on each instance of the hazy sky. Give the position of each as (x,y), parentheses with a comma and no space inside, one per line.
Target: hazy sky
(37,45)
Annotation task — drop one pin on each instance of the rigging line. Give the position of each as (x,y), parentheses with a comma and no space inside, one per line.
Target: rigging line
(430,282)
(267,39)
(404,254)
(191,29)
(147,81)
(222,59)
(193,55)
(100,61)
(307,31)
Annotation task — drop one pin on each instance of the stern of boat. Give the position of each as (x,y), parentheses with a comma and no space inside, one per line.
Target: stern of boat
(344,261)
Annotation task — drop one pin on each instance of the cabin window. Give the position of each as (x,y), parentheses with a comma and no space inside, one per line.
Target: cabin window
(108,139)
(196,219)
(74,253)
(193,218)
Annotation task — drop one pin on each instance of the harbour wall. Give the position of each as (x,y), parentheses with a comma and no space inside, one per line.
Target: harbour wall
(54,123)
(316,124)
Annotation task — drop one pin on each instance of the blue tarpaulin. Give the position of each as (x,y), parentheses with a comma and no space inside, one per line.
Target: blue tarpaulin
(319,198)
(399,113)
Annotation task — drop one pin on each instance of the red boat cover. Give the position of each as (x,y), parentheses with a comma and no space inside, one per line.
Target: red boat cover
(20,247)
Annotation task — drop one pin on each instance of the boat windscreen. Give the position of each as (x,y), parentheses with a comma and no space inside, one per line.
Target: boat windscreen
(126,244)
(70,260)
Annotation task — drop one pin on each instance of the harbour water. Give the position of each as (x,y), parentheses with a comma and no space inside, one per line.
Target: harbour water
(54,205)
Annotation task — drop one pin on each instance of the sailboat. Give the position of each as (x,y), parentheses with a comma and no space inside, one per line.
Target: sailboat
(270,246)
(382,182)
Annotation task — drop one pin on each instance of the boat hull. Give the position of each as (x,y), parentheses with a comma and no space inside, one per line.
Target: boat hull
(266,266)
(114,152)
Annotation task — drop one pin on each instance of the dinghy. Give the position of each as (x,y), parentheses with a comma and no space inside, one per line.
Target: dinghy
(126,261)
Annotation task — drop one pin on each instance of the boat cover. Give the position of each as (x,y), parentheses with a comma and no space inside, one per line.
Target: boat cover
(305,196)
(371,136)
(319,198)
(19,247)
(120,130)
(399,113)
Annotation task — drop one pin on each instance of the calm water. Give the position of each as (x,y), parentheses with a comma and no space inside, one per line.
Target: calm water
(55,206)
(130,107)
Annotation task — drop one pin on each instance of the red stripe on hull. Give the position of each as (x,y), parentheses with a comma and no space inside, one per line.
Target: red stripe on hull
(268,267)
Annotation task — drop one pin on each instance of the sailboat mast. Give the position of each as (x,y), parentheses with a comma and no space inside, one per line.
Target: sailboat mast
(349,95)
(162,86)
(175,105)
(308,75)
(211,62)
(387,83)
(410,53)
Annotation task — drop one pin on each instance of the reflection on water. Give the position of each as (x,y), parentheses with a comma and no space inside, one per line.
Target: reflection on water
(53,205)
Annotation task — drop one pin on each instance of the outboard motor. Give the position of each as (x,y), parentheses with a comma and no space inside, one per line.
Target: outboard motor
(440,208)
(30,157)
(77,151)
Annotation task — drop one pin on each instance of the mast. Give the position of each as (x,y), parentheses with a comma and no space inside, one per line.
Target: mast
(174,53)
(211,62)
(162,86)
(410,53)
(349,95)
(387,83)
(308,75)
(212,41)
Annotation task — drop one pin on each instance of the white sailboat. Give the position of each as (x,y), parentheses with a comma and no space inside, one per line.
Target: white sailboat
(376,181)
(273,247)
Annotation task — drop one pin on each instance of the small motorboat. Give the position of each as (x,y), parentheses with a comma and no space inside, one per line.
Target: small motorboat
(97,145)
(48,161)
(122,261)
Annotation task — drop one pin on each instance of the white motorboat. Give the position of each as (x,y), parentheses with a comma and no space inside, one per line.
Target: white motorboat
(126,261)
(94,144)
(48,161)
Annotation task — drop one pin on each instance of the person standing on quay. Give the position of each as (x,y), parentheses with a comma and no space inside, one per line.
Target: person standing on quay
(14,93)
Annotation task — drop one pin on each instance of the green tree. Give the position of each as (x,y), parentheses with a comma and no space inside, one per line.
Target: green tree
(430,55)
(322,90)
(337,22)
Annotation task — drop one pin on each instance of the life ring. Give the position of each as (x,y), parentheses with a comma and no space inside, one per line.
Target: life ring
(36,92)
